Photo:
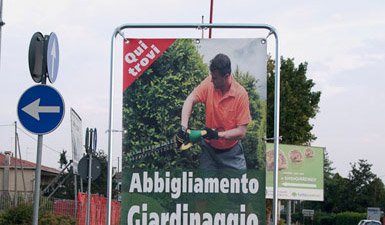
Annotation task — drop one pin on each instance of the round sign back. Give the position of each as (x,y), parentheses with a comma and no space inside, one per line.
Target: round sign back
(95,168)
(36,63)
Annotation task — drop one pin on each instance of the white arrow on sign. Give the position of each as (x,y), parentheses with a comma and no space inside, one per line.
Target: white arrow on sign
(53,54)
(299,185)
(33,109)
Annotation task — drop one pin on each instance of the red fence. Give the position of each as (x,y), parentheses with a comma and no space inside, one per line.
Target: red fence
(97,211)
(64,207)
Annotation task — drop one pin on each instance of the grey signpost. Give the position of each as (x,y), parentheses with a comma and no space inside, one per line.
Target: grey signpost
(40,108)
(89,168)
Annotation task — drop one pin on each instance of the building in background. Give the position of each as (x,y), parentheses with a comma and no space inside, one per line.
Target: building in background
(17,179)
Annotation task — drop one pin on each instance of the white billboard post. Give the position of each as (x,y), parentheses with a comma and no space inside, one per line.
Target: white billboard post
(119,29)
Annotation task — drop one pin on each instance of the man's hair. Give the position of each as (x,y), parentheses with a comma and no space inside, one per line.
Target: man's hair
(221,63)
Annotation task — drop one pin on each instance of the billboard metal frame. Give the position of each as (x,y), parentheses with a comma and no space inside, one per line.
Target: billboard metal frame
(272,31)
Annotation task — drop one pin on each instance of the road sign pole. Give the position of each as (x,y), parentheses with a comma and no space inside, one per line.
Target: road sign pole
(36,195)
(76,191)
(89,188)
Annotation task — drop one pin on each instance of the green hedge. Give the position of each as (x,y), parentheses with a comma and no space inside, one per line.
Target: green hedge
(320,218)
(53,219)
(22,215)
(349,218)
(326,219)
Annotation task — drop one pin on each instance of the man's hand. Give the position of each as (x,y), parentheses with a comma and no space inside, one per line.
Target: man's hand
(211,134)
(181,137)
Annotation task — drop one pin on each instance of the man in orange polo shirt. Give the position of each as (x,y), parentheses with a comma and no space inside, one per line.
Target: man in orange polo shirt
(227,116)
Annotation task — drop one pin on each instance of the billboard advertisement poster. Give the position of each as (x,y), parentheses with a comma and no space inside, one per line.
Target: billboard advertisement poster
(77,138)
(212,176)
(300,175)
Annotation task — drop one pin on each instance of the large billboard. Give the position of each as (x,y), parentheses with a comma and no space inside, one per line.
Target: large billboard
(300,175)
(195,115)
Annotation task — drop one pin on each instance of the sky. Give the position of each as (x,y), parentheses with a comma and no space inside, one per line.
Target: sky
(343,43)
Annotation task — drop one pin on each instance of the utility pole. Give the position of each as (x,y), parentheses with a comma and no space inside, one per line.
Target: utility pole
(211,15)
(1,24)
(15,194)
(118,164)
(203,31)
(21,164)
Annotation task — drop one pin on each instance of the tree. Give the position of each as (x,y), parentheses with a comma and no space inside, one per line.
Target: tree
(360,178)
(361,175)
(63,159)
(360,190)
(377,190)
(298,102)
(338,194)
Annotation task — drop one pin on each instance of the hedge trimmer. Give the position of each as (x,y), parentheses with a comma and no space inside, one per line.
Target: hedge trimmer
(194,136)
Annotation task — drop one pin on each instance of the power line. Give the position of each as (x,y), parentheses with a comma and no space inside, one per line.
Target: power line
(48,147)
(6,125)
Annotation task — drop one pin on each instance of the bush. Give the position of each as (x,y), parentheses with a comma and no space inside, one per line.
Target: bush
(296,217)
(23,215)
(52,219)
(325,219)
(349,218)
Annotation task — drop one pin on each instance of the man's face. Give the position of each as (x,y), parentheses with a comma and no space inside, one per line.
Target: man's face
(218,80)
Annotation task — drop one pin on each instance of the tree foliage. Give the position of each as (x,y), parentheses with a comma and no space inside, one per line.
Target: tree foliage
(253,143)
(63,159)
(298,103)
(152,104)
(364,187)
(360,190)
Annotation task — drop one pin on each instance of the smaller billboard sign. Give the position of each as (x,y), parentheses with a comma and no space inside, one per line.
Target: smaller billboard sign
(308,212)
(374,213)
(300,172)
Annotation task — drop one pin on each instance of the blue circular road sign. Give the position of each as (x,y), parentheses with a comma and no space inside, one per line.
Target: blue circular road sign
(40,109)
(52,57)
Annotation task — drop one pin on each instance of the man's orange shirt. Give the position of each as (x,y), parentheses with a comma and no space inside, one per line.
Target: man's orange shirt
(223,112)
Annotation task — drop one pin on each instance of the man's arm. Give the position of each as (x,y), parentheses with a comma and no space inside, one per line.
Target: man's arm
(234,134)
(187,109)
